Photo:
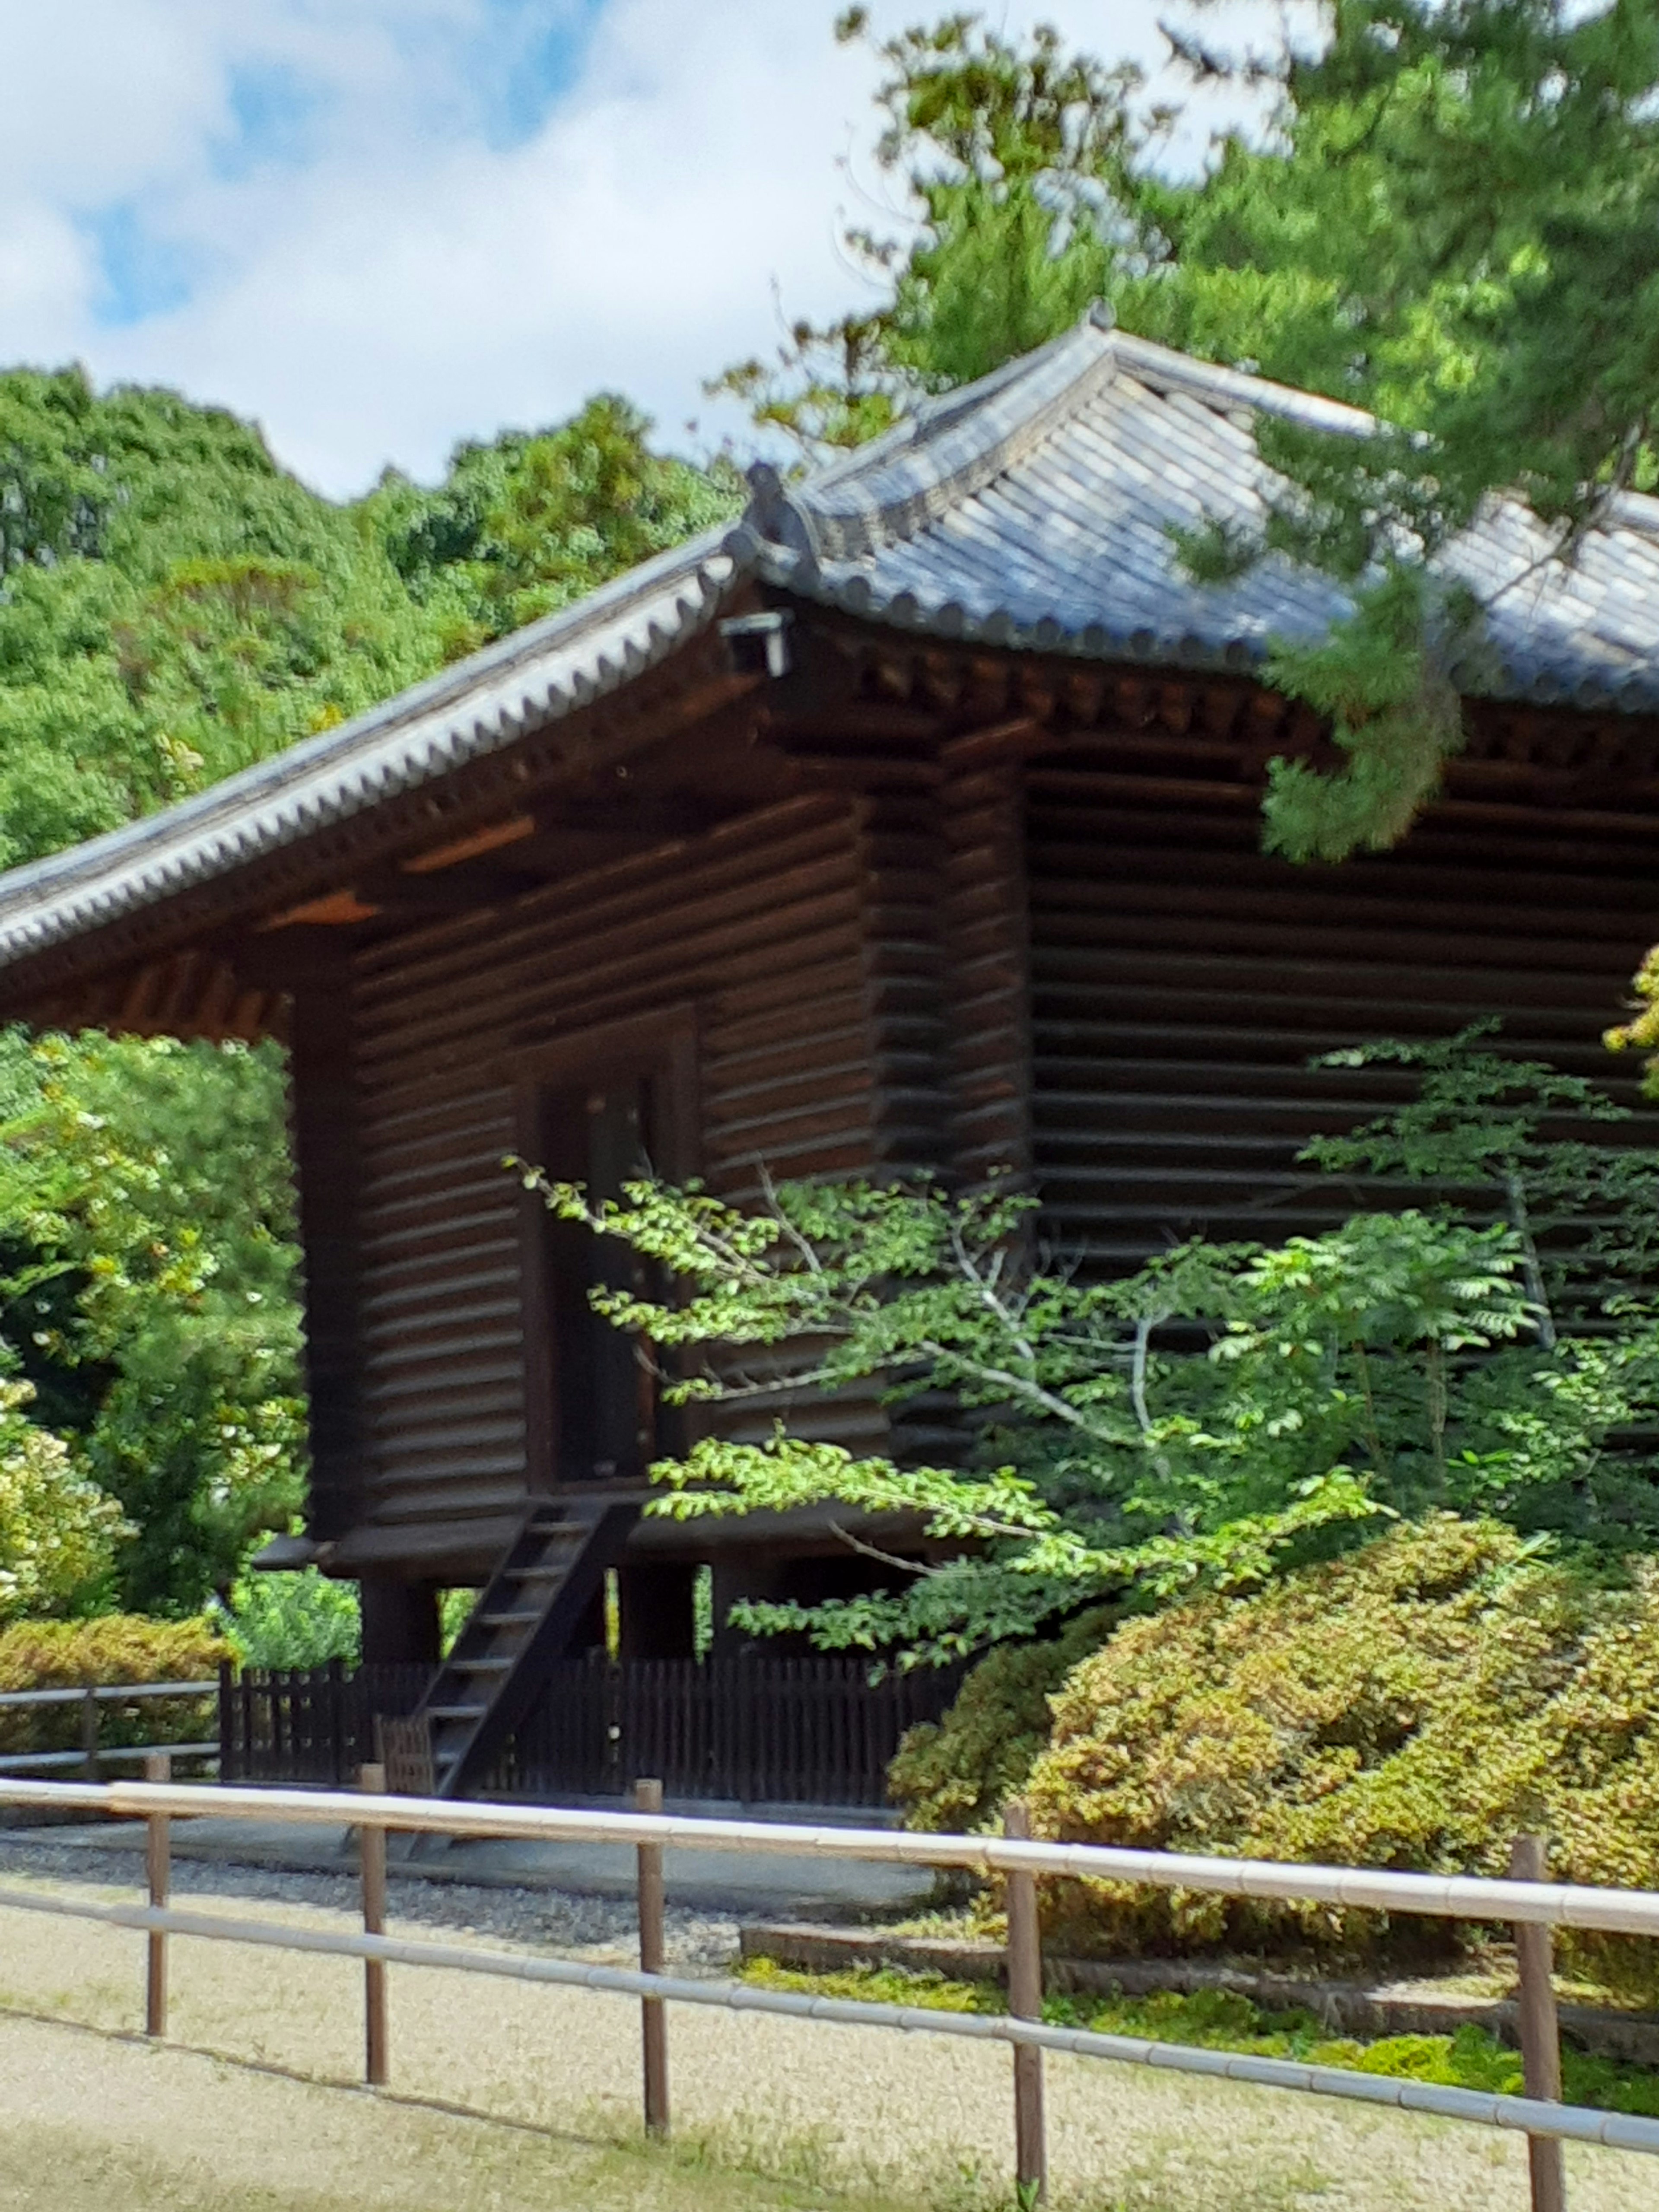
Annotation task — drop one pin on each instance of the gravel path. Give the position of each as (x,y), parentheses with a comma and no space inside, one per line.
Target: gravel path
(910,2119)
(551,1920)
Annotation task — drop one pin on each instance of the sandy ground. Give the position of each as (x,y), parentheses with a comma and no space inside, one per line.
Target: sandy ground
(820,2108)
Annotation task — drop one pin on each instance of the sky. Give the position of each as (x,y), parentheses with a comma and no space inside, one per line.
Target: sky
(378,227)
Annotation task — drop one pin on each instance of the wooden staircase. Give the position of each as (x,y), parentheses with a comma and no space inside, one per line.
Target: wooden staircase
(534,1605)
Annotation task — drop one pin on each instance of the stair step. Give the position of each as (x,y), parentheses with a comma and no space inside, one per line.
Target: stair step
(454,1713)
(479,1665)
(507,1619)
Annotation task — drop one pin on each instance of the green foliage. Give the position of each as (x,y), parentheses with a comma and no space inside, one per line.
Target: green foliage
(1223,2020)
(1017,158)
(61,1655)
(1641,1032)
(300,1619)
(958,1772)
(1449,223)
(1015,155)
(147,1194)
(533,521)
(1414,1705)
(1219,1413)
(1391,708)
(58,1531)
(173,605)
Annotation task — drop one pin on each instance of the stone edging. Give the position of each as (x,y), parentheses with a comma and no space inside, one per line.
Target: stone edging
(1354,2008)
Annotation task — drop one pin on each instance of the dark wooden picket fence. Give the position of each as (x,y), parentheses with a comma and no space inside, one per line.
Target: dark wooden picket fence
(313,1725)
(757,1728)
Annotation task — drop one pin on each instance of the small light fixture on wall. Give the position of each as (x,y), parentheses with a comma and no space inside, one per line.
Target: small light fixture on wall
(758,644)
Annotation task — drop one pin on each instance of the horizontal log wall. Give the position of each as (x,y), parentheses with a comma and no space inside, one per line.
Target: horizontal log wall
(760,928)
(1181,979)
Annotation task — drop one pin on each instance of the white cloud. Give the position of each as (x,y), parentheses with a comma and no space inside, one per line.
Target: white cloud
(381,268)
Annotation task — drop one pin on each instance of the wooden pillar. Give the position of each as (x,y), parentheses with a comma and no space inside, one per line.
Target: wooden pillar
(158,1853)
(653,2014)
(400,1622)
(371,1844)
(658,1619)
(324,1125)
(1541,2034)
(737,1575)
(1025,2003)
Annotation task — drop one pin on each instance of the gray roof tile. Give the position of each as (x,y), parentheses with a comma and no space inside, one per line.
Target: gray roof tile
(1051,508)
(1035,507)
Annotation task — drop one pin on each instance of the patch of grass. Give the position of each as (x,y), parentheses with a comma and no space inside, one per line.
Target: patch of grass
(1222,2020)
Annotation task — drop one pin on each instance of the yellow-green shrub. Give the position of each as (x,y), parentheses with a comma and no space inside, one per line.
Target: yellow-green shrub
(1413,1704)
(954,1773)
(58,1531)
(115,1648)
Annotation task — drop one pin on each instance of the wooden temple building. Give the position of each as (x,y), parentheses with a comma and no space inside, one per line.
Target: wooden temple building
(914,822)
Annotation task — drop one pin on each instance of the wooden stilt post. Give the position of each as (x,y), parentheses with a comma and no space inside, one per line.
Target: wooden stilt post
(371,1851)
(1025,2003)
(1541,2033)
(158,1866)
(653,2014)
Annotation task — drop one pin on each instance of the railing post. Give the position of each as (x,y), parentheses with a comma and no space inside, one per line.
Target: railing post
(1541,2033)
(158,1854)
(1025,2003)
(89,1733)
(653,2014)
(336,1753)
(227,1739)
(371,1851)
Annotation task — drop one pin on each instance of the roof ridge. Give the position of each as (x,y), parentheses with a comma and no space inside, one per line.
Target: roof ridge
(890,492)
(1154,363)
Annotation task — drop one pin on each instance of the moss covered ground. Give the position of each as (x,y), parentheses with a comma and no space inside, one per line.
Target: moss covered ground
(1221,2020)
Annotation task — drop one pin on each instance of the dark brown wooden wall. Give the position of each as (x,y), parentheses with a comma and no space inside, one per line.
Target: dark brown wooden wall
(1180,980)
(791,935)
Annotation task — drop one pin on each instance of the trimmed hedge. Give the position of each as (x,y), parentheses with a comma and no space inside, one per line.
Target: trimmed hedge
(113,1648)
(1413,1704)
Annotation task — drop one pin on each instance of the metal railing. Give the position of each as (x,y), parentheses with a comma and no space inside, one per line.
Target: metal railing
(1531,1906)
(93,1754)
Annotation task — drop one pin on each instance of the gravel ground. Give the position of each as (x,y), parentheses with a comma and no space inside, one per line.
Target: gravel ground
(588,1927)
(90,2124)
(911,2119)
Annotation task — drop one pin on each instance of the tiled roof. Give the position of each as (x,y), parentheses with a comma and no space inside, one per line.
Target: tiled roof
(1037,510)
(1034,509)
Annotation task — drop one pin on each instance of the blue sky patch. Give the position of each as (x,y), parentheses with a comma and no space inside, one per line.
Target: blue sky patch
(273,111)
(527,55)
(140,274)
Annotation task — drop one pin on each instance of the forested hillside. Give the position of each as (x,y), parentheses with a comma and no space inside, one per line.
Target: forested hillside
(175,606)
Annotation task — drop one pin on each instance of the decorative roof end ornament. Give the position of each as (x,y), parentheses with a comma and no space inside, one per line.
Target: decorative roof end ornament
(777,520)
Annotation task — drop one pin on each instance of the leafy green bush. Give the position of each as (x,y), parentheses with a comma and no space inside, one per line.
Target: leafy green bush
(58,1654)
(956,1773)
(1413,1704)
(58,1531)
(294,1619)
